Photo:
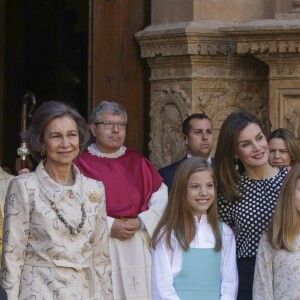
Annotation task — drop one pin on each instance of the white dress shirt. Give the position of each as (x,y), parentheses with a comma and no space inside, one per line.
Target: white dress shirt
(166,264)
(188,155)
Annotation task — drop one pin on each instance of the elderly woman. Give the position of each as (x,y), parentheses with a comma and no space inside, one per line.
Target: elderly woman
(135,195)
(56,235)
(4,182)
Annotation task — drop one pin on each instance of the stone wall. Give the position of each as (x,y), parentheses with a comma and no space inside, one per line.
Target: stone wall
(216,67)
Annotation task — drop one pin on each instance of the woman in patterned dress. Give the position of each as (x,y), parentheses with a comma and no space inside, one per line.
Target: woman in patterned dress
(248,188)
(277,268)
(55,230)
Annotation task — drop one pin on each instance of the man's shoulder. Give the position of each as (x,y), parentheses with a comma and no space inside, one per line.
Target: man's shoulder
(171,167)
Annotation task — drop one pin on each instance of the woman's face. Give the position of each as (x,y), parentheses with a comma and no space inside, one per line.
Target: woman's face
(110,136)
(200,192)
(279,155)
(252,147)
(61,141)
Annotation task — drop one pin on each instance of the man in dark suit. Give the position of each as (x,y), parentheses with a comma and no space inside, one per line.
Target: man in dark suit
(3,295)
(197,130)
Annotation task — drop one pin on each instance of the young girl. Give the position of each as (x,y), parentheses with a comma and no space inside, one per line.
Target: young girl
(277,268)
(193,254)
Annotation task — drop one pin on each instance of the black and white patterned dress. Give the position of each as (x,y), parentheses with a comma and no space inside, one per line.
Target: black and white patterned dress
(250,215)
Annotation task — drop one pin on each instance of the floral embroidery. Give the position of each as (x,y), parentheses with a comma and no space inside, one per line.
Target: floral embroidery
(94,197)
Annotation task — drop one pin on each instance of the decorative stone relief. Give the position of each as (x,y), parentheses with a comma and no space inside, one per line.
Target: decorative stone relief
(219,104)
(268,47)
(288,69)
(170,105)
(190,38)
(186,46)
(293,121)
(195,68)
(289,110)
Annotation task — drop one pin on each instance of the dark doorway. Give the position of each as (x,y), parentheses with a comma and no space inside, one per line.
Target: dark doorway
(46,52)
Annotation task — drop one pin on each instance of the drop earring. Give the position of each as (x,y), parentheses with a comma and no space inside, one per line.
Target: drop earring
(236,164)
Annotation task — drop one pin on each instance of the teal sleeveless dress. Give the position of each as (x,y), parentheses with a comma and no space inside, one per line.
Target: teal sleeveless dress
(200,276)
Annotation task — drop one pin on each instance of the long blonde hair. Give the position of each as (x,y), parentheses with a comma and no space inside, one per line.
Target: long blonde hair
(178,216)
(285,225)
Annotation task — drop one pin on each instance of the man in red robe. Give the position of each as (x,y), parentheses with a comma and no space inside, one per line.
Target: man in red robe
(135,199)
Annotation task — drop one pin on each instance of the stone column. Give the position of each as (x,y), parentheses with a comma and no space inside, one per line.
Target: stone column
(194,68)
(276,43)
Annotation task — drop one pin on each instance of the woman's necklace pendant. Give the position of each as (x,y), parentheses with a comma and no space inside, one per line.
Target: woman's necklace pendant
(73,231)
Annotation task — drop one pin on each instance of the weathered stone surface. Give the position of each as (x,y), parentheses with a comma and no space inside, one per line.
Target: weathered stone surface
(218,66)
(195,69)
(275,42)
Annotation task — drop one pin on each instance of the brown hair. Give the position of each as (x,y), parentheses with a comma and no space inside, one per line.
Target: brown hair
(178,216)
(285,224)
(290,142)
(224,161)
(44,114)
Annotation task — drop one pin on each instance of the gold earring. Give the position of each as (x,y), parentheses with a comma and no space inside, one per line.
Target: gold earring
(43,153)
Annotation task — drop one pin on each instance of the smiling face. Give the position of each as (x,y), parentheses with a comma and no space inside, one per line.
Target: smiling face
(61,141)
(279,154)
(109,140)
(200,192)
(252,147)
(200,139)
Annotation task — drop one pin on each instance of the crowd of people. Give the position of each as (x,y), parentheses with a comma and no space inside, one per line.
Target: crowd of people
(97,220)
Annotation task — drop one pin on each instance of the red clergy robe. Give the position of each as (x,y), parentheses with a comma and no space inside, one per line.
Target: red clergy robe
(129,181)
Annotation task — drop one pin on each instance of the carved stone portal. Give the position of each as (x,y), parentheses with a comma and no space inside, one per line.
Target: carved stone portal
(217,68)
(195,69)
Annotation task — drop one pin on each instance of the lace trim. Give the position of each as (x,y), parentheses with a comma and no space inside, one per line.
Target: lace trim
(95,151)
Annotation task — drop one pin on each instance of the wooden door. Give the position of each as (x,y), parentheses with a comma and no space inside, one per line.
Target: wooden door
(116,70)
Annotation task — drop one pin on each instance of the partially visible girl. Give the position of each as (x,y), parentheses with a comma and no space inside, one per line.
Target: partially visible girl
(284,150)
(277,268)
(193,254)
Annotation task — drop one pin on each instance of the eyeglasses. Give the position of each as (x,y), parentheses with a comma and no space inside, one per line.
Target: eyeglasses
(110,125)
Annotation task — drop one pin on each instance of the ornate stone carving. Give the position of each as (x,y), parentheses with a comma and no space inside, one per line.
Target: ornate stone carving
(293,122)
(189,38)
(170,105)
(268,46)
(288,111)
(285,69)
(219,104)
(194,68)
(184,46)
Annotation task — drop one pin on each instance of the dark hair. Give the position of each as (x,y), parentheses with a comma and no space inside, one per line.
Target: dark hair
(290,142)
(224,159)
(41,118)
(178,216)
(186,123)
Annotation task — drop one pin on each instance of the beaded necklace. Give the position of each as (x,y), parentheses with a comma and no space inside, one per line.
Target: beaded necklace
(73,230)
